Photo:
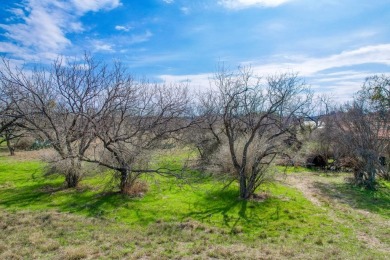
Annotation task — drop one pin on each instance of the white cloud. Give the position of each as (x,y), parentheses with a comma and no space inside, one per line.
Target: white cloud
(95,5)
(197,80)
(185,10)
(168,1)
(18,12)
(123,28)
(241,4)
(342,82)
(359,37)
(102,46)
(308,66)
(41,28)
(118,43)
(144,58)
(140,38)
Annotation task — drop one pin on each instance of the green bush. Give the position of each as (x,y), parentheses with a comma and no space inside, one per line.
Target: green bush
(40,144)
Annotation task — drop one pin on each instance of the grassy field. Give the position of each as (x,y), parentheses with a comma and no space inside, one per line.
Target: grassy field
(304,215)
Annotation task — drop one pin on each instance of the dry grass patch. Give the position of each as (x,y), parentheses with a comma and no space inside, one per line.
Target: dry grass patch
(53,235)
(31,155)
(137,189)
(76,252)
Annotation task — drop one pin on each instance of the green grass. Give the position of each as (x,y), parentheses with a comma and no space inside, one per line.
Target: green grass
(24,187)
(377,201)
(285,220)
(294,169)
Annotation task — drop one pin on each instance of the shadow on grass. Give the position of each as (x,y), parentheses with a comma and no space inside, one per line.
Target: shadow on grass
(220,207)
(42,196)
(25,196)
(374,201)
(224,207)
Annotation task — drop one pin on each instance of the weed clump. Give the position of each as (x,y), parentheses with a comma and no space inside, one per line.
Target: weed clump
(319,242)
(136,189)
(76,252)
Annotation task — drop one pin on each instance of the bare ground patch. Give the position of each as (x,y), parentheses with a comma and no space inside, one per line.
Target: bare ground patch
(29,155)
(371,229)
(305,185)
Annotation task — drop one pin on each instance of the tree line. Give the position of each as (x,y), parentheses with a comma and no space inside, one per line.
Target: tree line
(94,112)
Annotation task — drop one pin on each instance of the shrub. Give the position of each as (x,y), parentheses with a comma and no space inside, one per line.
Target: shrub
(40,144)
(24,143)
(136,189)
(222,165)
(71,168)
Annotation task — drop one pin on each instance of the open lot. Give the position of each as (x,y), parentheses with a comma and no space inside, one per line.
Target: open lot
(303,215)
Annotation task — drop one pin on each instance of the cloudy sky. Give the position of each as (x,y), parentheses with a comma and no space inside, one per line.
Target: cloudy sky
(333,44)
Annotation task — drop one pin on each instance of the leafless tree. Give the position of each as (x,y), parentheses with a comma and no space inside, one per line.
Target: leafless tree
(316,134)
(10,124)
(52,103)
(205,132)
(259,118)
(376,91)
(134,118)
(357,134)
(93,112)
(364,133)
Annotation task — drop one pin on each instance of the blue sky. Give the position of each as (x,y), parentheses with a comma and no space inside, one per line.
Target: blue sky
(333,44)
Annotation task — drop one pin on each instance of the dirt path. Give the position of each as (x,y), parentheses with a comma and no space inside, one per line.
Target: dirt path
(371,229)
(305,184)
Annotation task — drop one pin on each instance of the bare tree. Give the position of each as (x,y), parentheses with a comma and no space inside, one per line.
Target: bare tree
(10,132)
(205,133)
(91,112)
(259,118)
(10,125)
(316,134)
(135,118)
(364,133)
(52,103)
(357,134)
(376,91)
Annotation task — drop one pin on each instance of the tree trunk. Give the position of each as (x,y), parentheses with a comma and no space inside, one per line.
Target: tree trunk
(10,147)
(126,181)
(244,192)
(124,178)
(371,170)
(72,179)
(73,176)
